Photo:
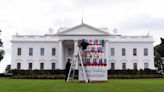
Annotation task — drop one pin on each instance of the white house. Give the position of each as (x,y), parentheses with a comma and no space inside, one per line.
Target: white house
(50,51)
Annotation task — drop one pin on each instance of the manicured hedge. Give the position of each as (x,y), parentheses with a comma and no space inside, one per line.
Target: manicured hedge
(145,71)
(37,72)
(133,74)
(60,74)
(40,74)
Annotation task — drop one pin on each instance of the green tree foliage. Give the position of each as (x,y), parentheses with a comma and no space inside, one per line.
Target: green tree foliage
(159,52)
(160,48)
(1,51)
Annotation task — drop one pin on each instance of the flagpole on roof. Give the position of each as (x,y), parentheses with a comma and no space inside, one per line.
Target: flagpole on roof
(82,18)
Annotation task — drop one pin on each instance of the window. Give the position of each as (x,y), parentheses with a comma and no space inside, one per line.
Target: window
(42,51)
(19,51)
(53,66)
(146,65)
(112,66)
(18,66)
(30,66)
(123,66)
(70,52)
(30,51)
(41,66)
(53,51)
(112,52)
(134,65)
(123,52)
(145,51)
(134,51)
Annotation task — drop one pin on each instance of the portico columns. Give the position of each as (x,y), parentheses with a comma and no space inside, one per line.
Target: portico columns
(107,52)
(60,57)
(75,44)
(75,48)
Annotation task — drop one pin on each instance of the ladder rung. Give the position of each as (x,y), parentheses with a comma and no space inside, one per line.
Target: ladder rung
(73,65)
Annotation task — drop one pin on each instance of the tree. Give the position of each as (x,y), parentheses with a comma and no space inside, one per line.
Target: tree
(159,53)
(1,51)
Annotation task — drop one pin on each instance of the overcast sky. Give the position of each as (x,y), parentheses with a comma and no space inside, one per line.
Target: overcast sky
(130,17)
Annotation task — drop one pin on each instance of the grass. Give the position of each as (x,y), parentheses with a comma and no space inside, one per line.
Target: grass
(113,85)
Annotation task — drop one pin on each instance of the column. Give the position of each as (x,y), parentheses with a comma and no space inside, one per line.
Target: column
(60,56)
(75,44)
(107,53)
(75,48)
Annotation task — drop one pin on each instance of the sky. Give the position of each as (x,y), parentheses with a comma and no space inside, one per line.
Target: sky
(35,17)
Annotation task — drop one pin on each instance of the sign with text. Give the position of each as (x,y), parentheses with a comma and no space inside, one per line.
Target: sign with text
(93,73)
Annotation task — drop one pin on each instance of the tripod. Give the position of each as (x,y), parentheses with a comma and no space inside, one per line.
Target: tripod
(73,64)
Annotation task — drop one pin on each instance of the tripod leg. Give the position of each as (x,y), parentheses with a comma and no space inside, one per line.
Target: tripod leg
(73,74)
(82,66)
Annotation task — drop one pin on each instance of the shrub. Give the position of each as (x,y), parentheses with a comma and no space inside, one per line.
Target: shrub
(60,74)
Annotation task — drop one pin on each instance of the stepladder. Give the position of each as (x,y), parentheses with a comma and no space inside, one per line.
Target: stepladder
(77,59)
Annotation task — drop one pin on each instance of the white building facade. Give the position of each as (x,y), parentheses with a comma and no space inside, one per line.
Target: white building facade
(50,51)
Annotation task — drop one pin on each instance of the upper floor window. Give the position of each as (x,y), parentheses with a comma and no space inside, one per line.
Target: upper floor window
(123,52)
(19,51)
(112,51)
(134,51)
(145,51)
(53,51)
(30,51)
(42,51)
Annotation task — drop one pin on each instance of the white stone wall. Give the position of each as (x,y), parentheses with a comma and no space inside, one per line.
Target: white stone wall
(77,33)
(129,59)
(114,42)
(36,59)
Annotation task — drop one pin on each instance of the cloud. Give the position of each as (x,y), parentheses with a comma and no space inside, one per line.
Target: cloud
(141,25)
(144,22)
(100,3)
(131,17)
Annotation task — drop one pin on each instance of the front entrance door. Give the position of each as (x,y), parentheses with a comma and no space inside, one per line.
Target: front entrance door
(70,52)
(68,49)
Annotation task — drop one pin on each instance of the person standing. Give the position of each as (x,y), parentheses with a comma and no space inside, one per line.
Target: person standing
(68,64)
(83,46)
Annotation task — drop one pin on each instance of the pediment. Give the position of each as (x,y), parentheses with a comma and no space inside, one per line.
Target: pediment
(83,29)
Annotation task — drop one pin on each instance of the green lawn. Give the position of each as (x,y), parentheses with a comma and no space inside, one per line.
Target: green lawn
(113,85)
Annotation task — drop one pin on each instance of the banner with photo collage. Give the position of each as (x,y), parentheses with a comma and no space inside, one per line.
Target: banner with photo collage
(94,61)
